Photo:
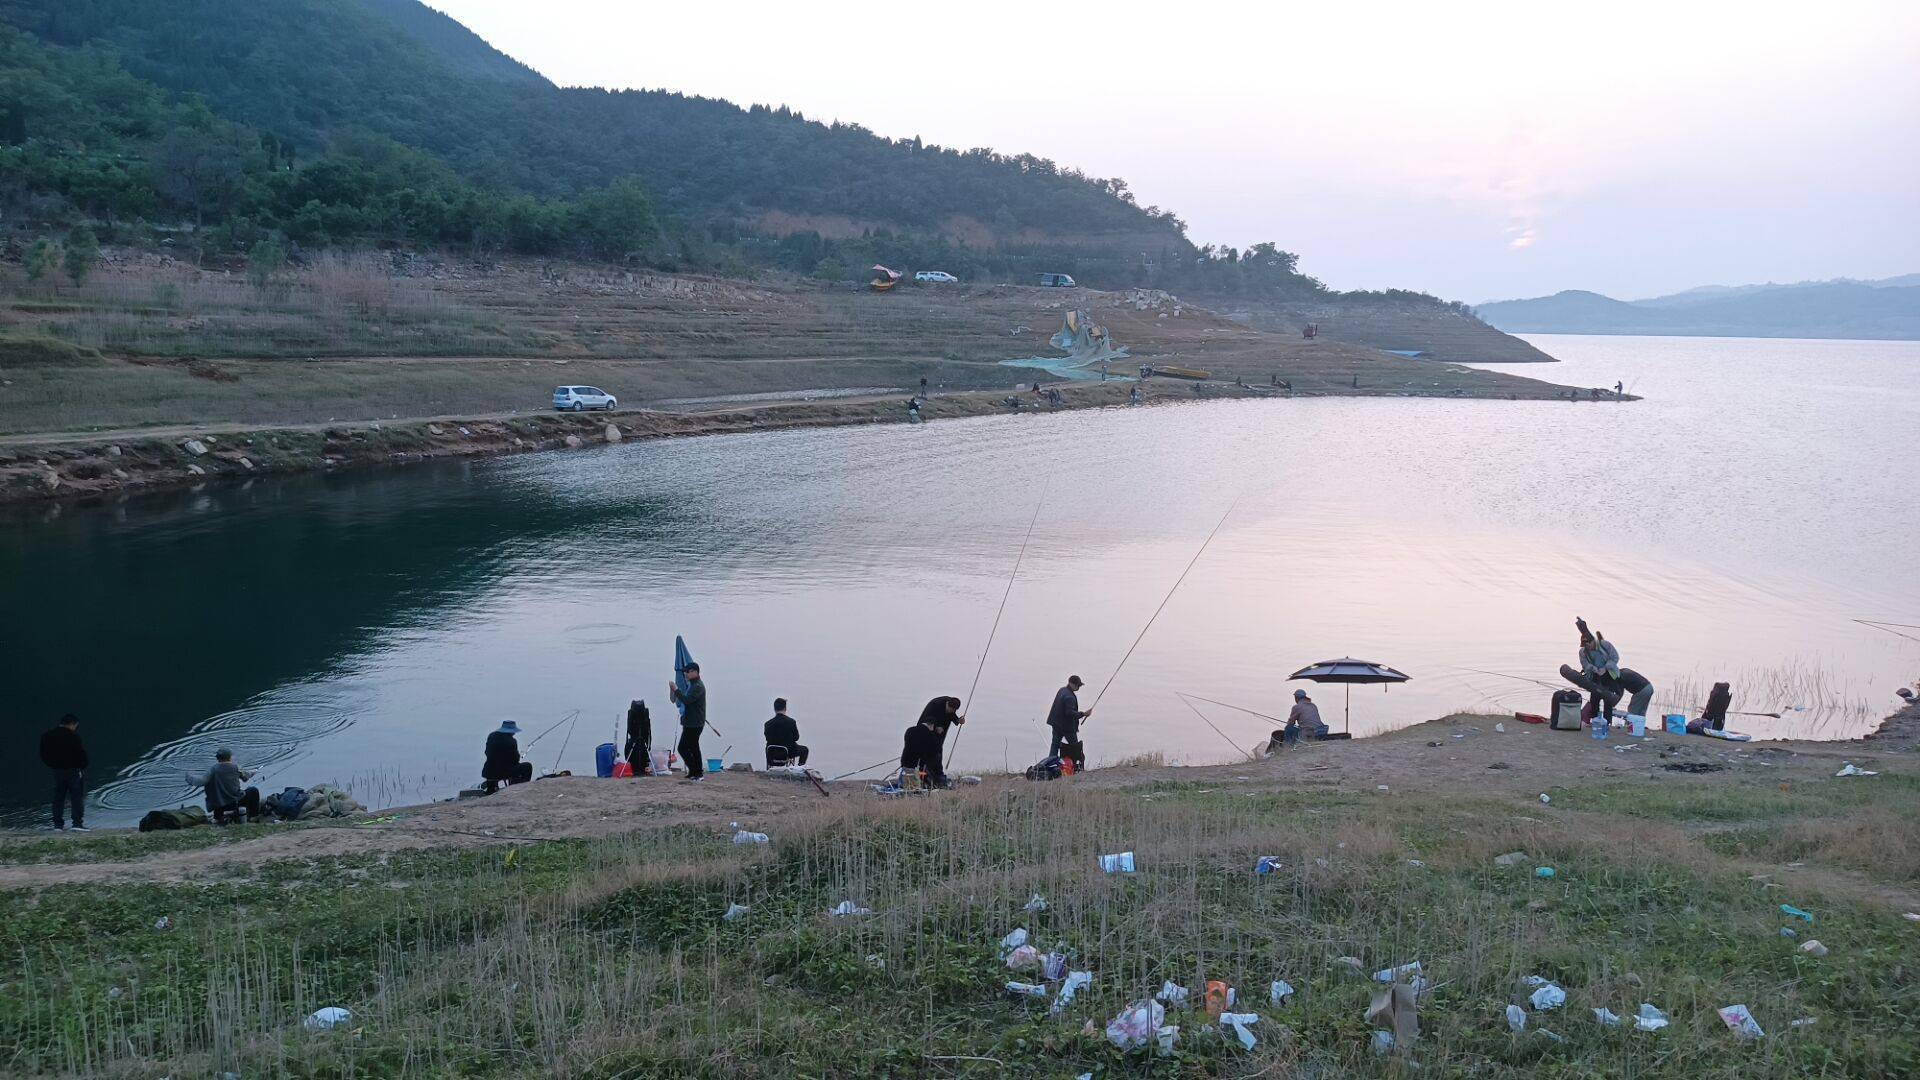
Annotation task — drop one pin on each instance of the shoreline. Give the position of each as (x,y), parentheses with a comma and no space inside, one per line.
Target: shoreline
(77,467)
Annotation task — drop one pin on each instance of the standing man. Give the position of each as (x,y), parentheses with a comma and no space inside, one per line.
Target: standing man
(1064,718)
(61,751)
(693,717)
(228,798)
(783,738)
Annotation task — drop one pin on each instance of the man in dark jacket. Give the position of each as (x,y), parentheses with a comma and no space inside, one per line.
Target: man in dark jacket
(62,751)
(640,738)
(503,765)
(783,738)
(924,745)
(228,797)
(693,718)
(1064,718)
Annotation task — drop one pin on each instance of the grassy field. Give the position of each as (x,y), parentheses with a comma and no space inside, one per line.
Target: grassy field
(609,957)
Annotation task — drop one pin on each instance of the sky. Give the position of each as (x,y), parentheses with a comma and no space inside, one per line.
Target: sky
(1477,151)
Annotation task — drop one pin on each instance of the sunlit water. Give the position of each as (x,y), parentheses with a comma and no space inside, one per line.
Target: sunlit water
(372,628)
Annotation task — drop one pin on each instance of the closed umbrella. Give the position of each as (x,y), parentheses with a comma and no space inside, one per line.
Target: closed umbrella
(1349,671)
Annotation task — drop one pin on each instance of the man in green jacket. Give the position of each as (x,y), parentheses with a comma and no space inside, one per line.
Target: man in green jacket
(693,717)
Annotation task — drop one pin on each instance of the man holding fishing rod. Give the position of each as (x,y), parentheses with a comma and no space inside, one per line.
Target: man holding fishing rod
(693,718)
(1064,718)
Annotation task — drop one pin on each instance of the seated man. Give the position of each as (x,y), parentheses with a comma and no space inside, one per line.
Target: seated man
(227,796)
(503,764)
(783,738)
(1304,719)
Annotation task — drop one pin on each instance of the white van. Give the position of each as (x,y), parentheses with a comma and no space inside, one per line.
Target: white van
(582,398)
(935,277)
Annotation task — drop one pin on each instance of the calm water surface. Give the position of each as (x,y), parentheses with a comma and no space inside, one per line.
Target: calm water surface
(371,629)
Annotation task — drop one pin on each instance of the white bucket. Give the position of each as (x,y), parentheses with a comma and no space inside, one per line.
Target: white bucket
(659,762)
(1637,726)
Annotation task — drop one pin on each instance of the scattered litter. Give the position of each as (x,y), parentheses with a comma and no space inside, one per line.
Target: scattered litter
(1606,1017)
(745,837)
(1240,1022)
(1136,1024)
(1805,1021)
(1387,975)
(1172,993)
(1267,864)
(1812,947)
(1516,1019)
(1649,1018)
(1117,864)
(847,907)
(1053,966)
(1911,916)
(1501,728)
(1788,931)
(1167,1036)
(114,992)
(1511,858)
(1026,956)
(1548,996)
(1543,871)
(1280,991)
(1415,862)
(1323,864)
(1013,941)
(1851,771)
(1028,989)
(1740,1022)
(876,961)
(1219,997)
(736,912)
(1545,799)
(1789,909)
(1036,904)
(1394,1008)
(1552,1036)
(323,1019)
(1383,1040)
(1076,981)
(1381,787)
(164,922)
(970,779)
(1349,961)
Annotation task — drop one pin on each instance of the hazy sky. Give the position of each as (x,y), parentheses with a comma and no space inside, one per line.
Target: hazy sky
(1479,151)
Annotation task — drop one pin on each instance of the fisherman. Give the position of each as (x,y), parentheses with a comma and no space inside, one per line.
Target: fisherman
(926,741)
(503,764)
(1600,669)
(1064,718)
(640,738)
(783,738)
(693,718)
(923,386)
(1620,390)
(1719,699)
(1304,718)
(227,797)
(913,410)
(62,751)
(1133,396)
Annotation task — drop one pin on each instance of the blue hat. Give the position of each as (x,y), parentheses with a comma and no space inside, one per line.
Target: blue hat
(1298,694)
(509,727)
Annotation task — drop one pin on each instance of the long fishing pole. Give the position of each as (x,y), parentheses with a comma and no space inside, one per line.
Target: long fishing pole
(1017,560)
(1163,604)
(551,726)
(1520,678)
(869,768)
(1887,627)
(1211,724)
(564,742)
(1226,705)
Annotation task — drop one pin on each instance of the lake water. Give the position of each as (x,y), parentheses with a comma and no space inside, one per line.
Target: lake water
(373,628)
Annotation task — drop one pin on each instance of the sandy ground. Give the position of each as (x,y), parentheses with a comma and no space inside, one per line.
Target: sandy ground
(1437,757)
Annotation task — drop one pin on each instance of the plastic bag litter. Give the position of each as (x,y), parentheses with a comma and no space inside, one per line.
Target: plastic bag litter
(1117,864)
(1136,1024)
(1805,1021)
(1267,864)
(1511,858)
(1812,947)
(745,837)
(1387,975)
(1789,909)
(324,1019)
(1383,1040)
(1649,1018)
(736,912)
(1028,989)
(164,922)
(1166,1035)
(1396,1008)
(1788,931)
(1545,799)
(1850,770)
(1280,991)
(1013,941)
(1035,905)
(1053,966)
(1911,916)
(1740,1022)
(1548,997)
(1076,981)
(1516,1018)
(1349,961)
(1501,728)
(1024,957)
(1240,1022)
(1172,993)
(847,907)
(1543,871)
(1606,1017)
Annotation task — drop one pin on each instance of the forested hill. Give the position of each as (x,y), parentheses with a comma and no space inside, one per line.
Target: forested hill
(329,120)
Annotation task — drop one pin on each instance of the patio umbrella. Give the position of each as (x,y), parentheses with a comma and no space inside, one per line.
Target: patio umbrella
(1349,671)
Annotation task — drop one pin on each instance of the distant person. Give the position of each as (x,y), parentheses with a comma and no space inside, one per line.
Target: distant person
(1133,395)
(1719,700)
(62,751)
(1064,718)
(783,737)
(1600,667)
(925,745)
(1620,390)
(1356,382)
(693,718)
(923,386)
(228,797)
(640,738)
(1304,719)
(503,764)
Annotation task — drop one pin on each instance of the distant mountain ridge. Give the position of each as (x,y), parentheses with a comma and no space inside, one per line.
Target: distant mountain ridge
(1887,308)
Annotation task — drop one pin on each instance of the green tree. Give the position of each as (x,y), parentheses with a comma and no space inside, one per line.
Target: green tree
(265,262)
(43,258)
(81,254)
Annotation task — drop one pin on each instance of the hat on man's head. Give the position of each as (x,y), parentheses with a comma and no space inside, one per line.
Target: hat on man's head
(1298,694)
(1075,680)
(509,727)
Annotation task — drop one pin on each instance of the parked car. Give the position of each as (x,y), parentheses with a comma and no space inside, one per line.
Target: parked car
(935,277)
(1058,281)
(582,398)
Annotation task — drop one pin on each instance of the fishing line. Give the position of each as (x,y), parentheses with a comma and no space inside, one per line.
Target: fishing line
(551,726)
(563,742)
(1209,723)
(1018,559)
(1163,603)
(1521,678)
(1224,705)
(1886,626)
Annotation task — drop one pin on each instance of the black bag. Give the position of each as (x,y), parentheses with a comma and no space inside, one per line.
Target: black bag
(185,817)
(286,803)
(1564,713)
(1048,769)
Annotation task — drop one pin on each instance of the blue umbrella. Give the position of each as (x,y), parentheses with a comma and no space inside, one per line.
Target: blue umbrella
(1349,671)
(681,658)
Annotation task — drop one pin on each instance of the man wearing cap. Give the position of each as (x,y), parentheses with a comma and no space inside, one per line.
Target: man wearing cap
(1304,719)
(1064,718)
(693,717)
(228,797)
(503,764)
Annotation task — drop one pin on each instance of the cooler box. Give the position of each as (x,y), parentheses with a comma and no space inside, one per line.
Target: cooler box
(603,756)
(1564,714)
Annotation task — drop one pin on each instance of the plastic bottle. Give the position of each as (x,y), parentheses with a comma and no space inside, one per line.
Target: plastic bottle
(1600,727)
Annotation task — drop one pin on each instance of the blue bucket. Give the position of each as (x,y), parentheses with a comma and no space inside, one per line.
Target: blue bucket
(714,764)
(603,756)
(1676,723)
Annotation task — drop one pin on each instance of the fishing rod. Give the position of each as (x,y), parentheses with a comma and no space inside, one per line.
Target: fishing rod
(1520,678)
(1211,724)
(551,726)
(1887,626)
(1163,604)
(1225,705)
(564,742)
(1017,560)
(869,768)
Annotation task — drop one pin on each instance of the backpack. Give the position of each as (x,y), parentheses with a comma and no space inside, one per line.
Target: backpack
(286,804)
(1047,769)
(185,817)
